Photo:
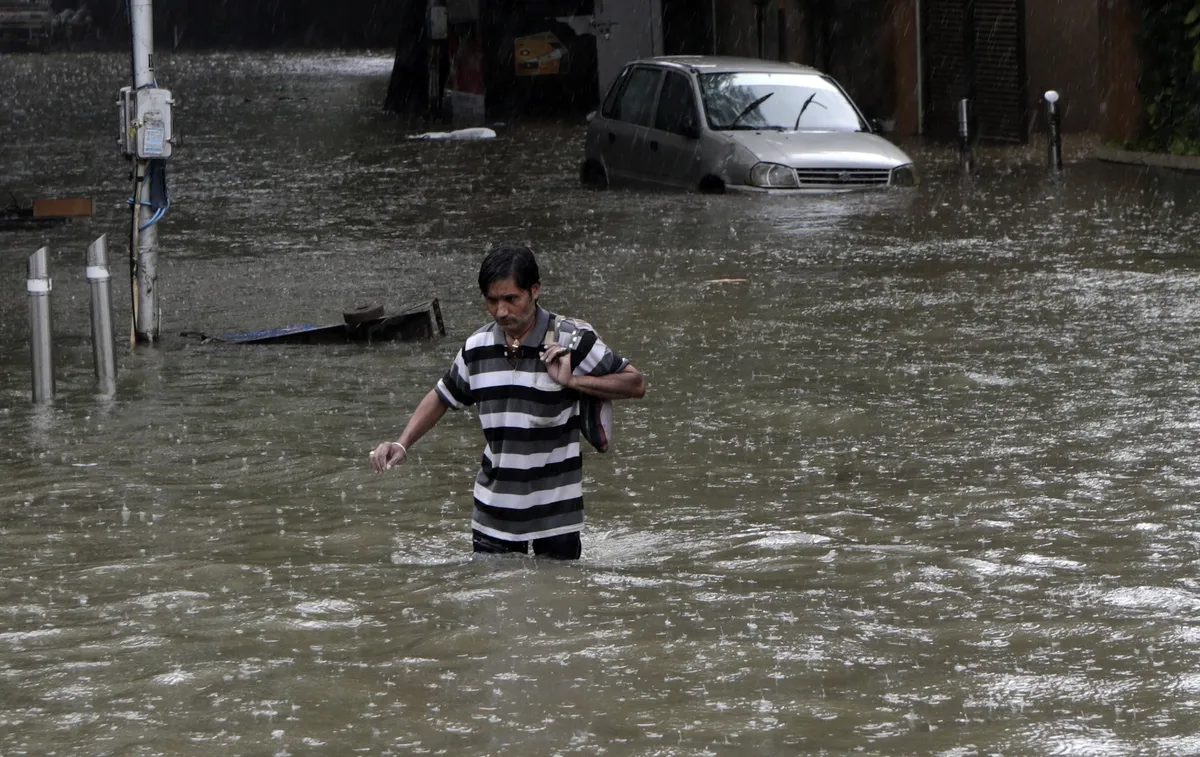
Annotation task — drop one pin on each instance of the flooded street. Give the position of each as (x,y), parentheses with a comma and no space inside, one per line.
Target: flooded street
(924,483)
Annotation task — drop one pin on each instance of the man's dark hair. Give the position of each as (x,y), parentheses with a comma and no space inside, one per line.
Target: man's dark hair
(506,261)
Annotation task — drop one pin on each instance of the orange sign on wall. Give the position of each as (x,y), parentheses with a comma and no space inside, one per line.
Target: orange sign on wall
(539,54)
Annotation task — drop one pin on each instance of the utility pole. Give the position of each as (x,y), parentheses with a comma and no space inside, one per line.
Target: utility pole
(408,85)
(437,21)
(147,139)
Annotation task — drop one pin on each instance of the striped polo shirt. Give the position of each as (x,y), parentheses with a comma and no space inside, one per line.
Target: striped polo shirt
(530,482)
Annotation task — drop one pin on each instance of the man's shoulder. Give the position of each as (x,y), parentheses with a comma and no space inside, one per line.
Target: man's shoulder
(481,337)
(487,328)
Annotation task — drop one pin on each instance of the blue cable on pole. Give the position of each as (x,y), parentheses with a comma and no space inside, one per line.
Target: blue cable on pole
(158,215)
(156,177)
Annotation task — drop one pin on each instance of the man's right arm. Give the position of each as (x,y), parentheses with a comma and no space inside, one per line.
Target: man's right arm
(429,411)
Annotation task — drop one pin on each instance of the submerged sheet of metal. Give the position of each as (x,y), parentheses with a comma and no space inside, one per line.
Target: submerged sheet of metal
(419,322)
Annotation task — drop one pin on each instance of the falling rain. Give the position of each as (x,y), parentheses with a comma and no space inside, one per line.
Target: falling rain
(914,474)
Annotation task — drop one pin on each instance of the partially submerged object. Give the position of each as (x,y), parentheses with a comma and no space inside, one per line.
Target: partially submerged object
(473,133)
(45,212)
(368,323)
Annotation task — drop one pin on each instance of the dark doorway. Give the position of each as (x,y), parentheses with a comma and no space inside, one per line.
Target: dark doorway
(687,27)
(841,39)
(975,49)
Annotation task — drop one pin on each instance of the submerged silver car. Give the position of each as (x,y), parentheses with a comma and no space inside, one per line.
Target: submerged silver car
(714,124)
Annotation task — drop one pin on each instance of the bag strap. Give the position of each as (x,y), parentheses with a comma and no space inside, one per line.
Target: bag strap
(579,336)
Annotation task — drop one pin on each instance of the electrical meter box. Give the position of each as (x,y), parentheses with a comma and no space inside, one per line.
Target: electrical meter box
(145,122)
(153,124)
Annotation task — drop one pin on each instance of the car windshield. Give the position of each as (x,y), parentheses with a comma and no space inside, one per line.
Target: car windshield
(783,102)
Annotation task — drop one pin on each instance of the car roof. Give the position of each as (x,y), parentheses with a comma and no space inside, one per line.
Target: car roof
(723,64)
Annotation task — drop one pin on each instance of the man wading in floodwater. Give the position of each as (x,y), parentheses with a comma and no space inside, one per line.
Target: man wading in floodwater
(527,372)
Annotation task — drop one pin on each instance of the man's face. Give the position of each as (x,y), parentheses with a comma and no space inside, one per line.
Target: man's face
(512,308)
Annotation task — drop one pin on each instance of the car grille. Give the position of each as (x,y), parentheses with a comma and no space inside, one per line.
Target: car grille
(842,177)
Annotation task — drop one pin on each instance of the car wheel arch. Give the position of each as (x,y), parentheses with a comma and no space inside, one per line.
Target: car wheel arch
(593,174)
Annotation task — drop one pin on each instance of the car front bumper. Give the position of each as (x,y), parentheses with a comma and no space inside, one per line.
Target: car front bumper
(749,189)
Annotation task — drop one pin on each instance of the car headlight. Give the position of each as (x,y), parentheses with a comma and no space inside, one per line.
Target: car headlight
(773,176)
(905,176)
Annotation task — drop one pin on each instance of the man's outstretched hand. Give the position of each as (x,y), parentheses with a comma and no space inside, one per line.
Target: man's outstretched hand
(387,455)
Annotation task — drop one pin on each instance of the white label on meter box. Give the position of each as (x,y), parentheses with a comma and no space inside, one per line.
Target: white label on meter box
(154,141)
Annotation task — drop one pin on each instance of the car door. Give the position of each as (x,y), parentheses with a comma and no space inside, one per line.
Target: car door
(622,134)
(672,141)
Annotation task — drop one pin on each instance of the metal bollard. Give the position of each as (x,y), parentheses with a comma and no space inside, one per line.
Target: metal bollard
(102,325)
(41,349)
(964,135)
(1053,131)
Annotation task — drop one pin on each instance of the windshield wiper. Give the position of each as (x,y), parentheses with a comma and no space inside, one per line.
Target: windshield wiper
(749,108)
(803,108)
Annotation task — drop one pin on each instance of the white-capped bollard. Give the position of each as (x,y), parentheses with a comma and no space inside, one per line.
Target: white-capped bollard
(98,278)
(1053,132)
(41,348)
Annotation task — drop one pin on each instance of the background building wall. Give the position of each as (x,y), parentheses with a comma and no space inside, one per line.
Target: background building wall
(846,39)
(900,47)
(1062,44)
(735,29)
(1121,106)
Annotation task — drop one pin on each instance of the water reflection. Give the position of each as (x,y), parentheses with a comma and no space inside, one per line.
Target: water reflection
(922,483)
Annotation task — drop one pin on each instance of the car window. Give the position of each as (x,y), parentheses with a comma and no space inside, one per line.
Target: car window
(637,98)
(676,104)
(780,101)
(610,100)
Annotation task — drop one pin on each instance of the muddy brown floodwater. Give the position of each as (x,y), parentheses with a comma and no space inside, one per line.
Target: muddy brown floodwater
(924,483)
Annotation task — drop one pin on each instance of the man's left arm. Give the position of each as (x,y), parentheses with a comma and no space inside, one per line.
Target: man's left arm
(626,384)
(595,370)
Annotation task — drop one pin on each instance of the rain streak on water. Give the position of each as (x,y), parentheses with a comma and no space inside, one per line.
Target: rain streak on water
(923,483)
